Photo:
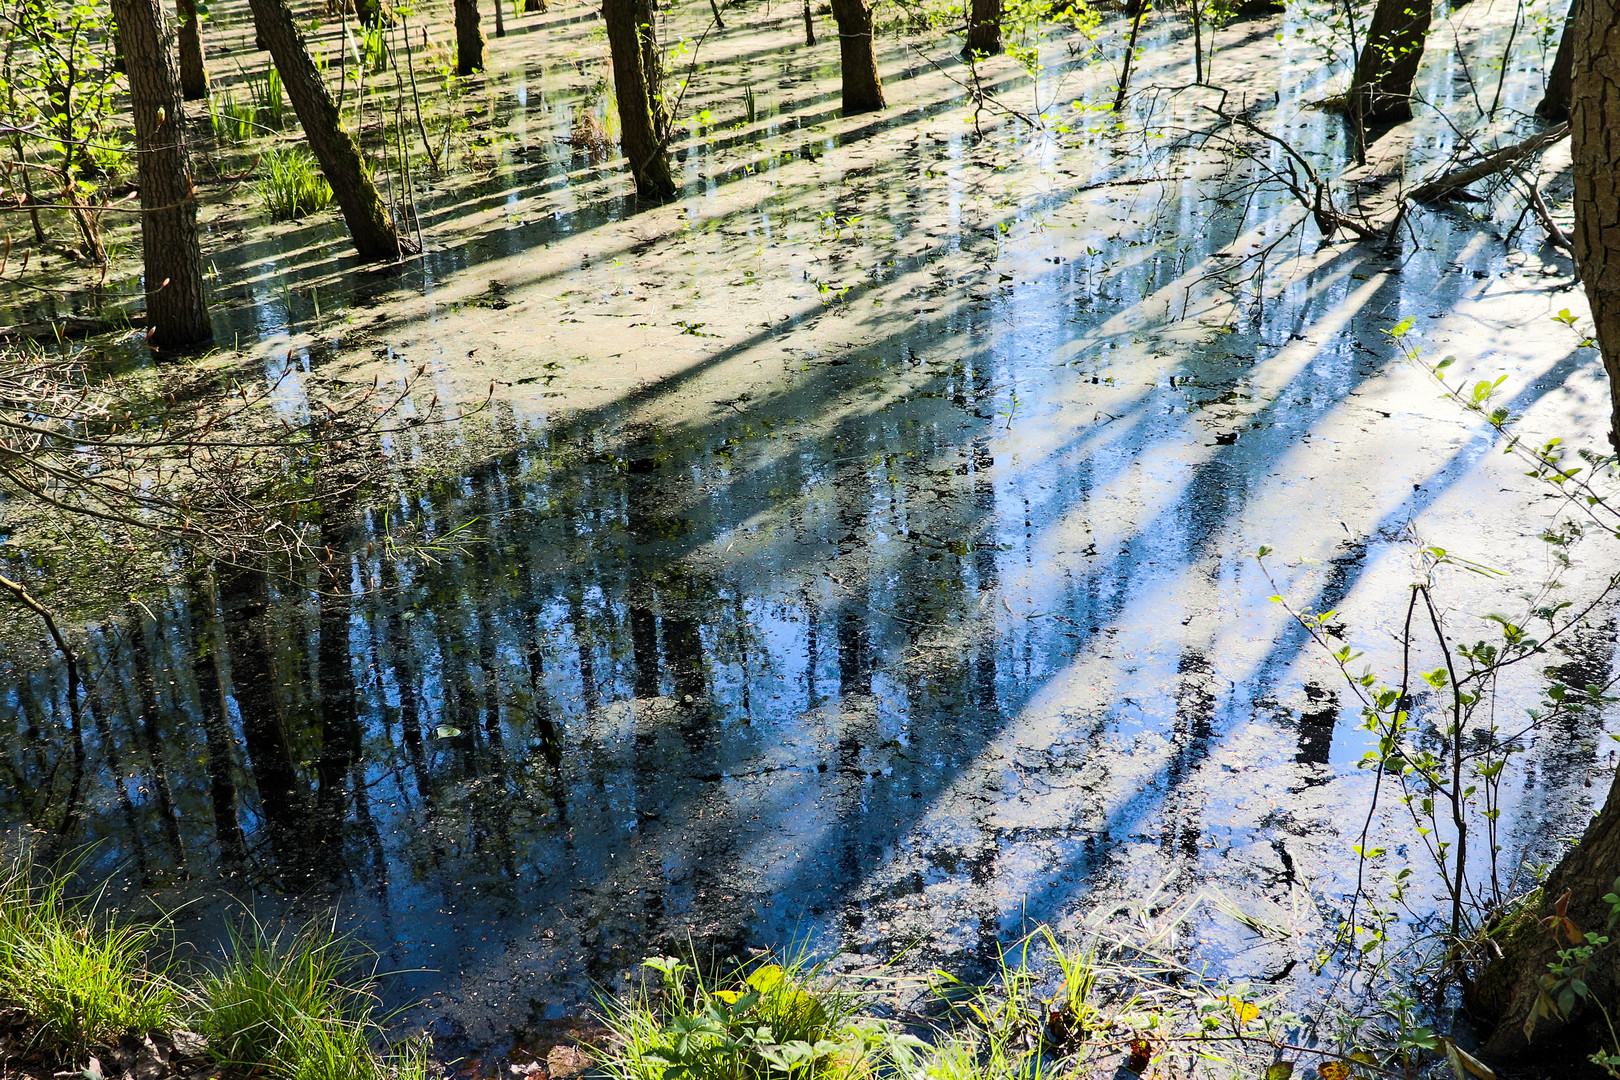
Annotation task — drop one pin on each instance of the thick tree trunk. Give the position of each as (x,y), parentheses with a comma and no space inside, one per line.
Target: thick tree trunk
(363,211)
(469,38)
(984,28)
(1560,77)
(535,6)
(176,301)
(635,87)
(863,89)
(1381,89)
(193,71)
(1512,987)
(1508,991)
(1595,148)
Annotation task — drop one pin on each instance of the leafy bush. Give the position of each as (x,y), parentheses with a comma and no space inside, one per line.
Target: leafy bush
(756,1021)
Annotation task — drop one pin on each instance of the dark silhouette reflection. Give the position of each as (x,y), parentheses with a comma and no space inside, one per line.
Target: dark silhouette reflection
(208,672)
(152,739)
(245,603)
(339,700)
(1316,725)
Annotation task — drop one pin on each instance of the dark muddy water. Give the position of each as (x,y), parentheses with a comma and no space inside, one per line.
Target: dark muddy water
(903,598)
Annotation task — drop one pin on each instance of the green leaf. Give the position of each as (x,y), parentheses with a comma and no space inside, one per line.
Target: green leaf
(445,731)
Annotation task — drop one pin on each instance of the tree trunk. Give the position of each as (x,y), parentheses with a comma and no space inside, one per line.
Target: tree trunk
(1512,987)
(1595,148)
(363,211)
(1129,60)
(635,87)
(809,27)
(535,6)
(500,19)
(175,297)
(984,28)
(1560,77)
(863,89)
(1381,89)
(193,72)
(469,38)
(176,301)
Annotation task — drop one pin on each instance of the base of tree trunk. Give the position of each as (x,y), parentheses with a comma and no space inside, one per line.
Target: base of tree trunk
(863,87)
(1256,8)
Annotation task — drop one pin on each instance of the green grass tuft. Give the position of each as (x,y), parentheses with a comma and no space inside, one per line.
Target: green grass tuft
(233,121)
(81,979)
(293,184)
(290,1004)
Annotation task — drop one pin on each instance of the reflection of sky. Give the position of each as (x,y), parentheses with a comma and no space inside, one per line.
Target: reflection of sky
(1034,503)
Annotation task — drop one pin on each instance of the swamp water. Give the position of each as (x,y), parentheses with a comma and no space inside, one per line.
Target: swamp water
(865,550)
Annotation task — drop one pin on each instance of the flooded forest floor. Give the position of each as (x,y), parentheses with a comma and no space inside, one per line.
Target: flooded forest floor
(857,549)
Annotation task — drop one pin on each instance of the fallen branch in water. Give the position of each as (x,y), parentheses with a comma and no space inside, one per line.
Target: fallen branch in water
(1499,160)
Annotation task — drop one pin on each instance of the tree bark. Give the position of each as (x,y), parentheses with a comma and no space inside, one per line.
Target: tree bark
(535,6)
(193,71)
(809,26)
(469,38)
(1510,987)
(375,237)
(176,300)
(1560,77)
(635,87)
(1595,149)
(984,28)
(1381,89)
(863,88)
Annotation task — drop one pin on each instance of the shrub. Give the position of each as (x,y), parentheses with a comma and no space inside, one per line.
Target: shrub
(759,1020)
